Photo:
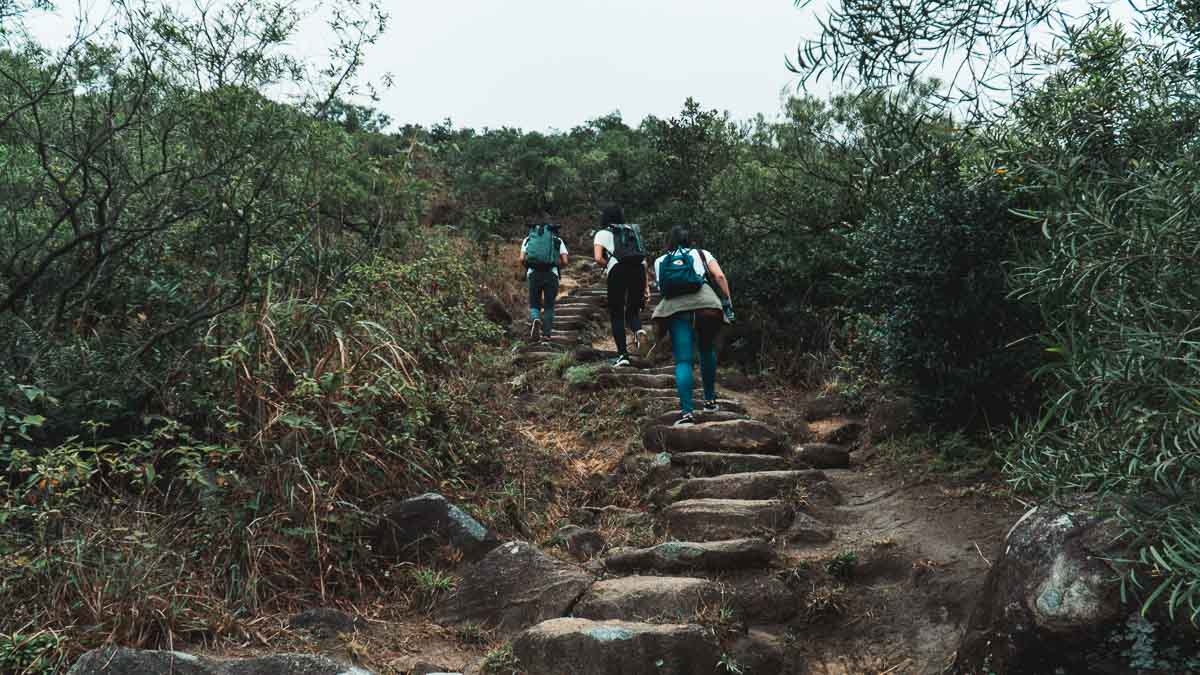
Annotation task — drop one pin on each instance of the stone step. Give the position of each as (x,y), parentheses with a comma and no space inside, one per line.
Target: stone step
(635,379)
(749,485)
(721,519)
(565,339)
(669,418)
(719,463)
(733,436)
(585,647)
(648,598)
(663,404)
(682,556)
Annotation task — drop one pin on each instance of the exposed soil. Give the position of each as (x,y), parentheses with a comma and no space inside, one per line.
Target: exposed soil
(890,593)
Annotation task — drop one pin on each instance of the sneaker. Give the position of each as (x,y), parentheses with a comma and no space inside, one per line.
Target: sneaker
(535,329)
(711,406)
(639,342)
(621,360)
(686,419)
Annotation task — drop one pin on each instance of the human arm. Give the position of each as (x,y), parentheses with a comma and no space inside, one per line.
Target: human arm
(646,265)
(562,254)
(598,253)
(718,277)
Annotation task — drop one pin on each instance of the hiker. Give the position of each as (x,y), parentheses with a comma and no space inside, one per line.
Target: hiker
(617,247)
(543,254)
(695,305)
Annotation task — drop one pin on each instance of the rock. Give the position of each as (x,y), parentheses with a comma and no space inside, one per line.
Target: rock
(678,556)
(807,530)
(823,456)
(658,405)
(710,463)
(121,661)
(823,406)
(512,587)
(670,417)
(717,519)
(824,493)
(580,541)
(733,436)
(323,621)
(423,668)
(415,527)
(584,647)
(837,432)
(1050,600)
(889,418)
(751,485)
(670,599)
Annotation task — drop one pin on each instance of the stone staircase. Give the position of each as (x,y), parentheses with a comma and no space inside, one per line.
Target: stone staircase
(727,494)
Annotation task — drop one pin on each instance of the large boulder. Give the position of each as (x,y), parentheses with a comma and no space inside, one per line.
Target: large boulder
(513,587)
(416,527)
(584,647)
(121,661)
(1051,601)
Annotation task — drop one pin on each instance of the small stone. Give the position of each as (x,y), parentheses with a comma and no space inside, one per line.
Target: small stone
(414,527)
(580,542)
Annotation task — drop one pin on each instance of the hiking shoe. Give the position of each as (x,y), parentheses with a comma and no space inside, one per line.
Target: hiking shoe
(686,419)
(535,330)
(621,360)
(639,342)
(711,406)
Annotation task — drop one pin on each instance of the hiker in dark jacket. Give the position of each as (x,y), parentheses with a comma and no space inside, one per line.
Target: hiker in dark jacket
(542,272)
(628,290)
(693,312)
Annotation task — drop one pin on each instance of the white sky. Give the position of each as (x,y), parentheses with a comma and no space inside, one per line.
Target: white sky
(553,64)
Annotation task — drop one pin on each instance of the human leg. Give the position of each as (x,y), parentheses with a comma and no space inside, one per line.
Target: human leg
(708,327)
(616,308)
(682,346)
(549,296)
(535,305)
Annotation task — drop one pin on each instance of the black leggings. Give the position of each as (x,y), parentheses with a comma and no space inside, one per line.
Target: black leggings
(626,293)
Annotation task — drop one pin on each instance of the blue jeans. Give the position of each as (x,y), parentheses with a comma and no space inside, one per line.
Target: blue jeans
(543,290)
(685,333)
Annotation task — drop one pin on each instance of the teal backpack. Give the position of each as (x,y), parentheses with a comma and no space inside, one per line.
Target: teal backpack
(627,242)
(541,251)
(677,274)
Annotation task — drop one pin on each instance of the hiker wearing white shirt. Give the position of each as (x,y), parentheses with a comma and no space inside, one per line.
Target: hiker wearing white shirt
(617,247)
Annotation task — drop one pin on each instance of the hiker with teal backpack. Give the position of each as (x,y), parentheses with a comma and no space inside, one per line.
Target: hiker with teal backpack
(543,254)
(618,248)
(695,305)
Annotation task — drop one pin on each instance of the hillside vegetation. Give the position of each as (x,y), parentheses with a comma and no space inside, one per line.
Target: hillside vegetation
(234,324)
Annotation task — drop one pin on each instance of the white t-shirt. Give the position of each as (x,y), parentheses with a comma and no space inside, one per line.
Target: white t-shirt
(562,250)
(697,262)
(604,239)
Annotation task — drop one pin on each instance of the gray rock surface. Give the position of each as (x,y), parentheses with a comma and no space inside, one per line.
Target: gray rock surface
(647,598)
(513,587)
(583,647)
(679,556)
(733,436)
(121,661)
(416,527)
(718,519)
(823,455)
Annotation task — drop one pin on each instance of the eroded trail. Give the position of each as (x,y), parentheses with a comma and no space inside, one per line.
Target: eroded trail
(768,553)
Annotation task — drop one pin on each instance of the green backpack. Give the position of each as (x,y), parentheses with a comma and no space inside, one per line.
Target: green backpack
(541,251)
(627,242)
(677,274)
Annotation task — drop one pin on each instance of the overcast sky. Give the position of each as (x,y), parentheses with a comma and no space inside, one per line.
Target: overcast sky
(553,64)
(541,64)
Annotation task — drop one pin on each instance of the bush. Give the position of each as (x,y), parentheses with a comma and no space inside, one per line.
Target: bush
(934,287)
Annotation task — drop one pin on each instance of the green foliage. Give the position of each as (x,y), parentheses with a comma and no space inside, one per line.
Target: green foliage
(841,566)
(933,279)
(500,661)
(581,374)
(729,664)
(31,654)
